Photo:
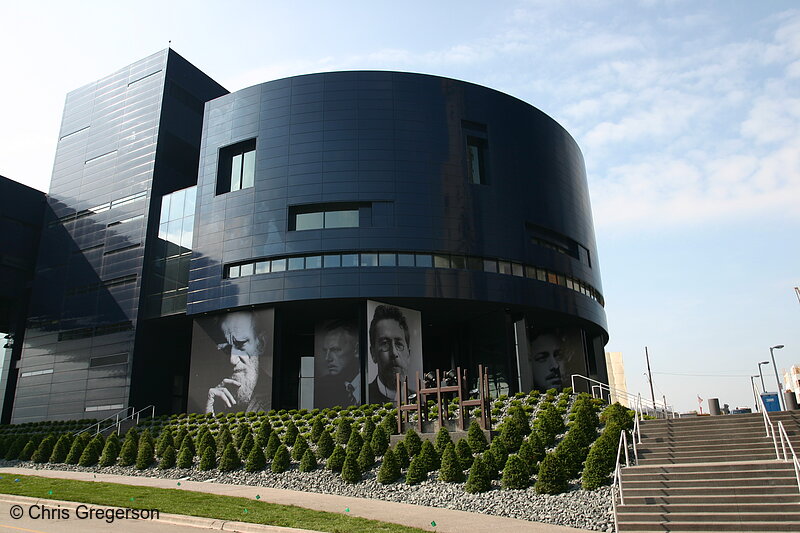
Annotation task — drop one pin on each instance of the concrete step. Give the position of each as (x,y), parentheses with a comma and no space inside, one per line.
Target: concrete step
(718,508)
(726,499)
(739,482)
(666,459)
(712,467)
(627,475)
(788,490)
(705,527)
(694,446)
(718,518)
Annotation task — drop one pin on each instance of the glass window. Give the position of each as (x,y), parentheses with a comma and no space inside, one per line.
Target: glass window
(262,267)
(314,261)
(569,284)
(458,261)
(333,261)
(476,156)
(279,265)
(441,261)
(405,260)
(176,204)
(165,208)
(504,267)
(246,270)
(369,260)
(248,169)
(233,272)
(174,231)
(516,269)
(341,219)
(349,260)
(424,260)
(189,203)
(236,172)
(387,260)
(162,230)
(474,263)
(552,278)
(541,274)
(530,272)
(489,265)
(186,232)
(297,263)
(309,221)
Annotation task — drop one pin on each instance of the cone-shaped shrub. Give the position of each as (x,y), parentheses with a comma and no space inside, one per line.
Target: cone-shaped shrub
(514,429)
(208,460)
(317,427)
(263,434)
(476,438)
(343,431)
(572,455)
(299,448)
(413,442)
(336,460)
(44,450)
(128,452)
(354,443)
(247,444)
(223,439)
(402,455)
(27,451)
(91,453)
(165,440)
(551,478)
(366,457)
(537,446)
(308,462)
(389,423)
(464,454)
(206,440)
(230,458)
(290,435)
(442,440)
(325,444)
(168,458)
(351,473)
(110,451)
(179,436)
(255,460)
(417,470)
(185,457)
(241,433)
(281,461)
(369,429)
(147,436)
(380,441)
(188,442)
(516,474)
(430,457)
(600,462)
(478,479)
(77,448)
(61,449)
(389,471)
(498,455)
(272,446)
(548,424)
(451,470)
(144,458)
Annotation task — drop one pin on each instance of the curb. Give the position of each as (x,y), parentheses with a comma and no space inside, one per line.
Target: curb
(183,520)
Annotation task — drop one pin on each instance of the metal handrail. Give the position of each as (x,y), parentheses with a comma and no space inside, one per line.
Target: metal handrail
(770,429)
(115,416)
(784,443)
(136,415)
(656,408)
(616,484)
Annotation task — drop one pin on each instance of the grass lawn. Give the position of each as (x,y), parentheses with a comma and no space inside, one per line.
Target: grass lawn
(177,501)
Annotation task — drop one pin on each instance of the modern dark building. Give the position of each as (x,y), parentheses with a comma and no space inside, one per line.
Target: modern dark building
(297,243)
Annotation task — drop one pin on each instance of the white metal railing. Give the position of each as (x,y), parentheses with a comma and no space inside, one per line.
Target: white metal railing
(134,416)
(785,442)
(616,485)
(768,427)
(97,425)
(656,409)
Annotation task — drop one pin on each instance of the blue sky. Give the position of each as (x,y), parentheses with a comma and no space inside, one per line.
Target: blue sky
(688,115)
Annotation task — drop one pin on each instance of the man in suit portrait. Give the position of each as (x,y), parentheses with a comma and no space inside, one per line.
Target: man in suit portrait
(390,350)
(339,382)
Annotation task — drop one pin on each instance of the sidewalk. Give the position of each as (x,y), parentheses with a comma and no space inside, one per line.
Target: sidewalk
(446,520)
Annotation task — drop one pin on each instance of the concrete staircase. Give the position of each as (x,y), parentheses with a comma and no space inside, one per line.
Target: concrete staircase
(711,474)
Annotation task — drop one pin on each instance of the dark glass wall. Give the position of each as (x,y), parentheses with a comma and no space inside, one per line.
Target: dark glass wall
(125,140)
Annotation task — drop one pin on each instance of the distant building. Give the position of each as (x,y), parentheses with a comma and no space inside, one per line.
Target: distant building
(791,380)
(616,378)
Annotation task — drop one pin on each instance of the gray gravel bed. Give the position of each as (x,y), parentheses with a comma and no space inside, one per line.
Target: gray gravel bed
(591,510)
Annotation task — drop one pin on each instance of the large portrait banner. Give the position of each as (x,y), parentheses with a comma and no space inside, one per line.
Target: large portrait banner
(231,362)
(553,355)
(395,347)
(337,365)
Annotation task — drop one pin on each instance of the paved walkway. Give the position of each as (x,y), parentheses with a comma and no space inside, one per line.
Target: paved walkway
(446,520)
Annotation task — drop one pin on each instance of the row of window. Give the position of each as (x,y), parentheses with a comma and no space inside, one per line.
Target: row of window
(407,259)
(36,373)
(100,208)
(115,282)
(85,333)
(112,407)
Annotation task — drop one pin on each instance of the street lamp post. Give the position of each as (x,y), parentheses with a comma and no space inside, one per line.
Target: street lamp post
(753,386)
(777,379)
(760,373)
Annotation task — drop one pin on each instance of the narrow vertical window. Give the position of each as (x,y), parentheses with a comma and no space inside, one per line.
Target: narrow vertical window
(477,148)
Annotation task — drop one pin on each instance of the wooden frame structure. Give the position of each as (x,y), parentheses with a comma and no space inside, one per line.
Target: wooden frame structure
(460,388)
